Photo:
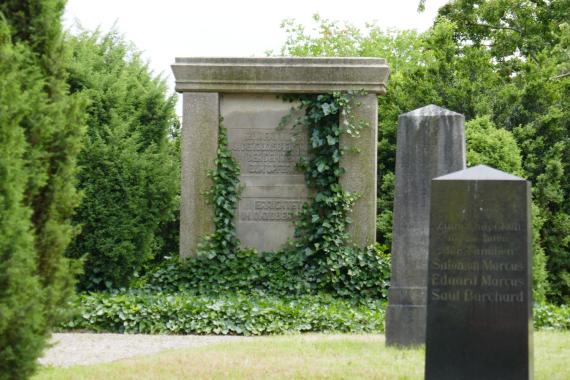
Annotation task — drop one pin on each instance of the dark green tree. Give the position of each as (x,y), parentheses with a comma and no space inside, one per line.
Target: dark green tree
(498,148)
(40,137)
(21,321)
(130,166)
(529,43)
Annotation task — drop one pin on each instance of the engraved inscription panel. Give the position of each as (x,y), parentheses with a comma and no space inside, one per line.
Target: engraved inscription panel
(266,151)
(273,189)
(269,209)
(484,268)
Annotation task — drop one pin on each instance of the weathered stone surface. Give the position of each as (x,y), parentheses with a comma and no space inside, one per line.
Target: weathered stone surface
(273,189)
(479,318)
(199,145)
(360,160)
(430,143)
(282,75)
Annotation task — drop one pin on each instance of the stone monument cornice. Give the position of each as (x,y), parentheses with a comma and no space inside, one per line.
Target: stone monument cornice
(280,75)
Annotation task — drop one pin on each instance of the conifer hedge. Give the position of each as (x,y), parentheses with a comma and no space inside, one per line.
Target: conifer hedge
(40,136)
(130,162)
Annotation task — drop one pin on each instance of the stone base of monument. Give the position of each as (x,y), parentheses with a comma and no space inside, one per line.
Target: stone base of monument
(405,317)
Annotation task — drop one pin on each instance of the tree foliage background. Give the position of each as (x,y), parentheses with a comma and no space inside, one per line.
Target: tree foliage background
(529,42)
(505,66)
(82,118)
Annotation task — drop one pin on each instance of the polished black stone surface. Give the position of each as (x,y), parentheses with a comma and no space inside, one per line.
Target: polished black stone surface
(479,323)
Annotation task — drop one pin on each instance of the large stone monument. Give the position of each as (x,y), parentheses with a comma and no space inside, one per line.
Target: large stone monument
(430,143)
(245,93)
(479,317)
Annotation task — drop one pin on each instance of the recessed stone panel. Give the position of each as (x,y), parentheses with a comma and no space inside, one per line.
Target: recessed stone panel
(274,190)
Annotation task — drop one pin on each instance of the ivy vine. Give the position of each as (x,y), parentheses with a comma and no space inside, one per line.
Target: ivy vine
(322,256)
(223,196)
(331,260)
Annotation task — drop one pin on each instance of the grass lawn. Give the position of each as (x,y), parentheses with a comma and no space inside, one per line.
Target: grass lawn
(299,357)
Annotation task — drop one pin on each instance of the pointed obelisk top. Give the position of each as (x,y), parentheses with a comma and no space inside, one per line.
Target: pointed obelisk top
(430,110)
(480,173)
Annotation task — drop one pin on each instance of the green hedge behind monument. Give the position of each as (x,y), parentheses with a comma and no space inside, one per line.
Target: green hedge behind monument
(130,161)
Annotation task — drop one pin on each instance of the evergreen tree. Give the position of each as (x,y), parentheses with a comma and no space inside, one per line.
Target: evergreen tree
(130,167)
(40,136)
(21,320)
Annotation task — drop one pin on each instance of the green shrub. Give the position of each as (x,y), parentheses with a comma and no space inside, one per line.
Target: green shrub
(274,273)
(548,316)
(488,145)
(360,272)
(130,165)
(225,313)
(271,273)
(239,313)
(52,123)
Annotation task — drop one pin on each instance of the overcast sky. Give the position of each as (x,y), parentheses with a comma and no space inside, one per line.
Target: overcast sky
(189,28)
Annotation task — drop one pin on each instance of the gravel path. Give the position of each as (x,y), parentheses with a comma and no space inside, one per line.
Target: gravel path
(84,348)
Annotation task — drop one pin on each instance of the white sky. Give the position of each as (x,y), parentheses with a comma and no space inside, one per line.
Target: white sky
(190,28)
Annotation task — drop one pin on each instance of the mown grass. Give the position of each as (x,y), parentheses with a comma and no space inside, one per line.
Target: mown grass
(299,357)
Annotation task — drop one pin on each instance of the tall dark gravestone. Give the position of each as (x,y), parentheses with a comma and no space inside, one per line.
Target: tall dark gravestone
(431,143)
(479,316)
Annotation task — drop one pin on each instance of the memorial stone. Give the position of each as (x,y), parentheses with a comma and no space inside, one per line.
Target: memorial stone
(273,189)
(245,93)
(430,143)
(479,317)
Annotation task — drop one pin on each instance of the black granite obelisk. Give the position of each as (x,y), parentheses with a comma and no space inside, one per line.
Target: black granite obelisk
(479,315)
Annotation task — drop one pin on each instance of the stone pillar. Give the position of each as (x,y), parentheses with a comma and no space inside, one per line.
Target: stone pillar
(199,145)
(479,317)
(430,143)
(360,160)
